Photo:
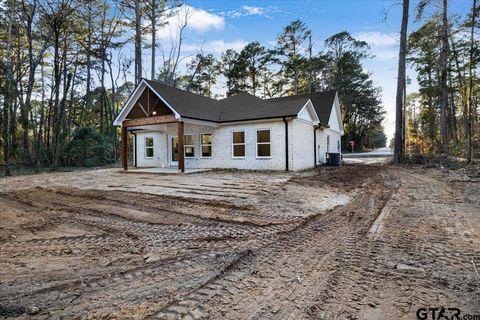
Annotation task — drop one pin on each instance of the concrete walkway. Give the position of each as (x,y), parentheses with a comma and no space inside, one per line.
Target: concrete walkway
(166,170)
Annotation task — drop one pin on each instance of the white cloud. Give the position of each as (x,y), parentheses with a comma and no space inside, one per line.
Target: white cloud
(198,20)
(246,11)
(377,39)
(252,10)
(215,46)
(203,21)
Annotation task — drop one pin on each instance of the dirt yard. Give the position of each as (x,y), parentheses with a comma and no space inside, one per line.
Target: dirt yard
(355,242)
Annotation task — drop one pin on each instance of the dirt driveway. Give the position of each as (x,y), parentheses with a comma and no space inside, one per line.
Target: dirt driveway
(356,242)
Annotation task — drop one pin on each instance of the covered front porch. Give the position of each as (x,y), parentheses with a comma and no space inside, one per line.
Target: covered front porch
(177,143)
(158,146)
(161,132)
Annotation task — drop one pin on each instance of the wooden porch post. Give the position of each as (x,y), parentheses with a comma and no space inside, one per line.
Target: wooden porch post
(181,149)
(124,148)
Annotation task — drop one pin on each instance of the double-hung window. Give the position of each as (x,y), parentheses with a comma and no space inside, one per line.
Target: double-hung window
(189,146)
(149,147)
(263,144)
(206,144)
(238,144)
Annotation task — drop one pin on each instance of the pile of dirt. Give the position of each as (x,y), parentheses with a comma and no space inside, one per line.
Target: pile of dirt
(346,178)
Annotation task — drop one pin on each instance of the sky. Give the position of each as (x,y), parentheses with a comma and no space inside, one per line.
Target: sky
(215,26)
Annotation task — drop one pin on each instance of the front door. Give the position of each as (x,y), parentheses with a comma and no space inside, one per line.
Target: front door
(174,151)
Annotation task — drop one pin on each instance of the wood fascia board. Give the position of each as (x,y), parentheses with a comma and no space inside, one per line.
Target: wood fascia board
(149,121)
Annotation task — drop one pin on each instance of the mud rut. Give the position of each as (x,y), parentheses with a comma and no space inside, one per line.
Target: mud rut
(171,264)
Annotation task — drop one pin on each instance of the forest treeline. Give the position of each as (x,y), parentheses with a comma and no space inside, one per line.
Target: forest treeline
(67,67)
(442,117)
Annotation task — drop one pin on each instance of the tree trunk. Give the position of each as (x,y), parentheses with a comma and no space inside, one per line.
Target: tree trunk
(42,119)
(58,123)
(154,37)
(295,71)
(453,107)
(56,92)
(102,72)
(113,110)
(88,93)
(70,118)
(310,73)
(138,43)
(7,99)
(443,79)
(25,108)
(471,85)
(401,80)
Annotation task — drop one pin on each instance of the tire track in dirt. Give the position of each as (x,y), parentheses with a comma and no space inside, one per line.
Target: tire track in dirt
(170,257)
(311,245)
(125,278)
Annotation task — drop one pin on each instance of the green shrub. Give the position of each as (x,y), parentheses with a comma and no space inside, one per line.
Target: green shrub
(87,148)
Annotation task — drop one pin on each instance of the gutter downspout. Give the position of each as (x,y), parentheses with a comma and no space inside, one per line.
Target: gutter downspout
(286,143)
(135,147)
(315,145)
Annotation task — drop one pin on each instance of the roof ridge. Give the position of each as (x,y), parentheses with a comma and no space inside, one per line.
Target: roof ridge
(244,93)
(186,91)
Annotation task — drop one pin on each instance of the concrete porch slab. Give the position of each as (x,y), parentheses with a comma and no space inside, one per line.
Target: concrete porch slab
(164,170)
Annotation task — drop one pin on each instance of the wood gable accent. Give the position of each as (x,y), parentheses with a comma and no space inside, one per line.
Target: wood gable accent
(149,109)
(148,105)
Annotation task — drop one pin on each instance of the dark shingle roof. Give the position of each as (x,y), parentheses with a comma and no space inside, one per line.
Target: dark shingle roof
(244,106)
(241,106)
(322,102)
(187,104)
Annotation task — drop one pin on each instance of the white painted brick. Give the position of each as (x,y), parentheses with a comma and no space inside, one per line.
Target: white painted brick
(300,145)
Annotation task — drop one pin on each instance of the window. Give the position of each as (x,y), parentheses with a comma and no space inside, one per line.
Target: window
(328,143)
(189,146)
(238,144)
(148,147)
(338,145)
(263,143)
(206,142)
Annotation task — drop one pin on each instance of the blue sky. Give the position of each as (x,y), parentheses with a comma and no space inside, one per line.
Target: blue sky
(219,25)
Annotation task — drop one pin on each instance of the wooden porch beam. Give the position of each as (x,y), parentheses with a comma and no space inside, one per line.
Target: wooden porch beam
(150,120)
(124,148)
(181,144)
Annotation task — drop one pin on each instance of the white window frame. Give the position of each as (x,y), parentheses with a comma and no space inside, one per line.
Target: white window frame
(257,143)
(239,144)
(206,145)
(188,145)
(149,147)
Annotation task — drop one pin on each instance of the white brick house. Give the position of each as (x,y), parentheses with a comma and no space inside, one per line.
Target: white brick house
(241,131)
